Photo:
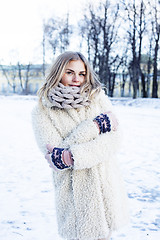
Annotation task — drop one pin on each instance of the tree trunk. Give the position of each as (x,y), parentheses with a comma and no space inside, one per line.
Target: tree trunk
(144,93)
(155,83)
(124,77)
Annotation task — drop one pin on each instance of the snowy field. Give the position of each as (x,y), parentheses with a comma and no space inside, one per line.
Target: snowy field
(26,193)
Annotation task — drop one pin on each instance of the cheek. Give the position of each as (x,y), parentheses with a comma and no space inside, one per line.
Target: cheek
(65,80)
(83,80)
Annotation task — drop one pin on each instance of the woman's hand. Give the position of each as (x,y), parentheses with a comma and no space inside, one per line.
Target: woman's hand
(66,158)
(114,121)
(106,122)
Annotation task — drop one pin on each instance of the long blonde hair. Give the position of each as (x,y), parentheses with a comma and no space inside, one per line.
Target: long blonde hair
(92,84)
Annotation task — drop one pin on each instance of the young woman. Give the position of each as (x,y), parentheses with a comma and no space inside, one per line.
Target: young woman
(77,131)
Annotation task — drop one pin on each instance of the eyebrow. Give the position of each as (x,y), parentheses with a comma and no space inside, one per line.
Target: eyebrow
(68,69)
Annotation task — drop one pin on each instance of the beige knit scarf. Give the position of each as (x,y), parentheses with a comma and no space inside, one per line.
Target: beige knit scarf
(65,97)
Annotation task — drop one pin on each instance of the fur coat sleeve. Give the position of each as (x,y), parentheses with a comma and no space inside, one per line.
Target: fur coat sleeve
(45,132)
(91,153)
(88,147)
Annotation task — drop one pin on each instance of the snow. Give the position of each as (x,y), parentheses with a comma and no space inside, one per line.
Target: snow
(27,209)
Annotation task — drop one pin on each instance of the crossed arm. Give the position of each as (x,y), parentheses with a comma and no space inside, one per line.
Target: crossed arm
(84,137)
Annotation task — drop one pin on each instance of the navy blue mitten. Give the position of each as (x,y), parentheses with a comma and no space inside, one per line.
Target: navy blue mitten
(103,122)
(57,158)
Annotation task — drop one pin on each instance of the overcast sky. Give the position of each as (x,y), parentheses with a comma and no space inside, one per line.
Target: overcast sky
(21,26)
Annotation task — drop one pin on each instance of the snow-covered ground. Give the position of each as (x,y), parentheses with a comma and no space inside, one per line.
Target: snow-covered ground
(26,193)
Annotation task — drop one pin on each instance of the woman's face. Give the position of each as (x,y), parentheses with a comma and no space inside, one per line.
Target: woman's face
(74,74)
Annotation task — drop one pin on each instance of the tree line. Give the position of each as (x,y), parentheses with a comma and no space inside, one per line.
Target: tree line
(121,37)
(20,76)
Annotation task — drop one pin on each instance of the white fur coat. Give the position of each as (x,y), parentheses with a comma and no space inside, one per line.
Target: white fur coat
(90,198)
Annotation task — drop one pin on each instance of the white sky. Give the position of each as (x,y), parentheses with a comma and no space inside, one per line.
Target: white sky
(21,26)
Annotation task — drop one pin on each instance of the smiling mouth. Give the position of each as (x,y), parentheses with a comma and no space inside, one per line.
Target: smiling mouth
(74,85)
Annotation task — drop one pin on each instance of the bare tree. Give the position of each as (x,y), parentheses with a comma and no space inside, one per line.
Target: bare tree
(155,21)
(17,75)
(57,32)
(141,31)
(100,29)
(10,74)
(124,74)
(109,34)
(136,29)
(24,74)
(90,29)
(149,65)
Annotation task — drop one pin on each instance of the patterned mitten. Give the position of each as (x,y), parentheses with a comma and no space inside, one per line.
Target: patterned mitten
(103,123)
(57,158)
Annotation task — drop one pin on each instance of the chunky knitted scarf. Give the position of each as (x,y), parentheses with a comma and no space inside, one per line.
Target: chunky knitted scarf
(67,97)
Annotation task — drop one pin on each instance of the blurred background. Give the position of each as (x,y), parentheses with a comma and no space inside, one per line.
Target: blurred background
(119,38)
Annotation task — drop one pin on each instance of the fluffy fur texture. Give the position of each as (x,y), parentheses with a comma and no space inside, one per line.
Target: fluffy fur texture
(90,198)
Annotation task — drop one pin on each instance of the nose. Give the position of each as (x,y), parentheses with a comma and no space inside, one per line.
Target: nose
(75,78)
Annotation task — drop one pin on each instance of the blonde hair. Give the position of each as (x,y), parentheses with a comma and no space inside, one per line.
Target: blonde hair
(92,84)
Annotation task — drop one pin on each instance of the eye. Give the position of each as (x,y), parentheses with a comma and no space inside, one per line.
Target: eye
(82,74)
(69,72)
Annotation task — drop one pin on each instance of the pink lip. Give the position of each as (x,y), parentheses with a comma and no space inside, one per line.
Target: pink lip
(74,85)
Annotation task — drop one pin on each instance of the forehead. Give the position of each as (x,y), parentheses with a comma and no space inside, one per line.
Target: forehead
(76,65)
